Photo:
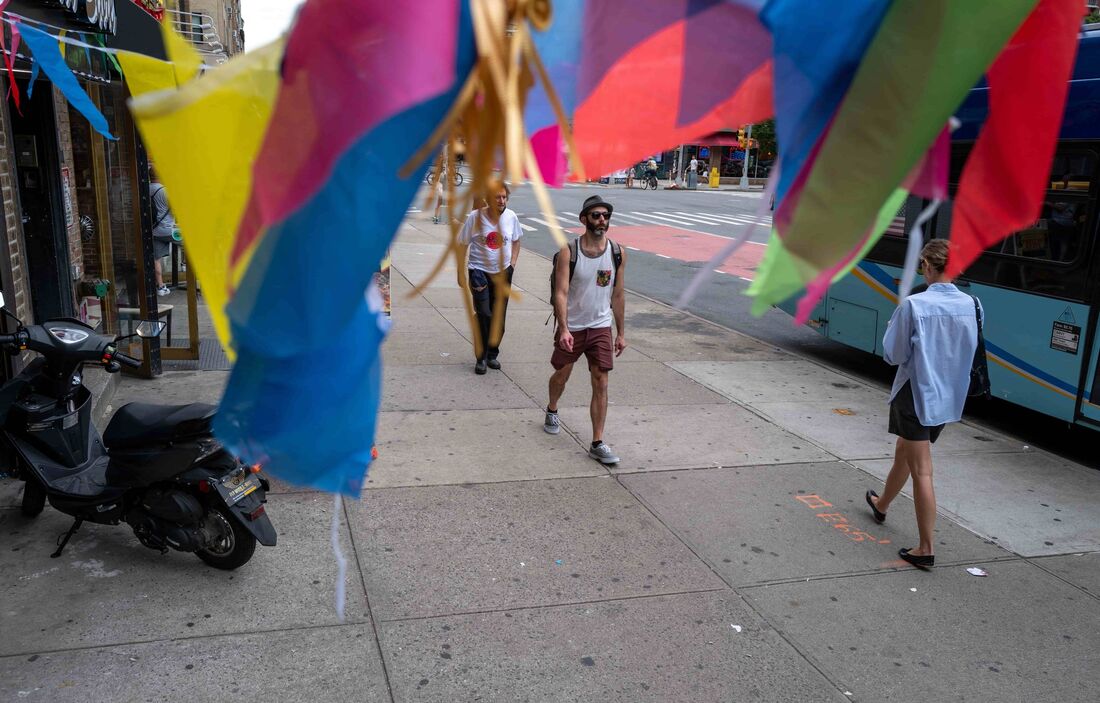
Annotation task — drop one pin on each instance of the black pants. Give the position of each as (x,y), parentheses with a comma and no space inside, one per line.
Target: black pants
(484,303)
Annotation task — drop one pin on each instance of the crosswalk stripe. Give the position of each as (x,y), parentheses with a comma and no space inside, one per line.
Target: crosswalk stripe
(629,217)
(414,209)
(701,219)
(527,228)
(733,219)
(647,218)
(673,220)
(544,223)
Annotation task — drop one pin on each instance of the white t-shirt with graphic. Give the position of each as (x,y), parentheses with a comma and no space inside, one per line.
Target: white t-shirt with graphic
(486,239)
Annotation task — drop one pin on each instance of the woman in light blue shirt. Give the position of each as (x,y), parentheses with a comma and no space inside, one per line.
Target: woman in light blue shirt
(931,338)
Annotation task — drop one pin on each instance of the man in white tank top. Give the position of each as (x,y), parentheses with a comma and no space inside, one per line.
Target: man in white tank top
(588,297)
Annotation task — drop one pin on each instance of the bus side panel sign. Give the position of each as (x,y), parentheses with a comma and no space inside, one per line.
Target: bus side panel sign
(1065,337)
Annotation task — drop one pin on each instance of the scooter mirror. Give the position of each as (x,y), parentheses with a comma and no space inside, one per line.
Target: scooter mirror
(149,328)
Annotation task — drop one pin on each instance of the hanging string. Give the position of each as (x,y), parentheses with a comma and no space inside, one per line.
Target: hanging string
(912,250)
(341,562)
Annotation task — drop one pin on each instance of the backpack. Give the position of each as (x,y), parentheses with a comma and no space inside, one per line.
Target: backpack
(616,259)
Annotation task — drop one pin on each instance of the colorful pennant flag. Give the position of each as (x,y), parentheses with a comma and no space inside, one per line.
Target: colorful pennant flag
(44,48)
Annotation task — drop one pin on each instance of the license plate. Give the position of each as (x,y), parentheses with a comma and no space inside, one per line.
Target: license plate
(237,487)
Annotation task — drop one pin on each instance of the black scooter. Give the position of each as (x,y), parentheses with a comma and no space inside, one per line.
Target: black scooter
(157,468)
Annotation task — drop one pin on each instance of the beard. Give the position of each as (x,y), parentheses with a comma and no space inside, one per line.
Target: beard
(597,230)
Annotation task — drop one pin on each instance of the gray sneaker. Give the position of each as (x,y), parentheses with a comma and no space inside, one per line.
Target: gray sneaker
(603,454)
(551,425)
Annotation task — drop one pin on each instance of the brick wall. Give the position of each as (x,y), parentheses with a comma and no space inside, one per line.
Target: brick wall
(18,297)
(65,162)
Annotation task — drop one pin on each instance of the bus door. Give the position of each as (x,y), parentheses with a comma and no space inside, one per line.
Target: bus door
(1088,392)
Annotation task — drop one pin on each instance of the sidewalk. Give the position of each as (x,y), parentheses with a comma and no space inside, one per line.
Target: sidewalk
(730,557)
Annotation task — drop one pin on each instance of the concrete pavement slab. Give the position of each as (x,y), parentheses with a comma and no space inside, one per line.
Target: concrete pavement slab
(1019,634)
(416,261)
(108,589)
(661,437)
(11,492)
(400,290)
(663,649)
(470,446)
(1082,570)
(335,663)
(423,336)
(448,387)
(669,335)
(788,380)
(172,387)
(632,383)
(758,524)
(527,337)
(1031,503)
(452,298)
(419,229)
(857,429)
(514,545)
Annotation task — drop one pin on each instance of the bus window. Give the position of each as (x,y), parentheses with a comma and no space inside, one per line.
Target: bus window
(1057,236)
(1072,171)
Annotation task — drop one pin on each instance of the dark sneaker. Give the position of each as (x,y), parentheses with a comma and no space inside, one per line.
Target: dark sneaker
(479,367)
(551,425)
(603,454)
(494,364)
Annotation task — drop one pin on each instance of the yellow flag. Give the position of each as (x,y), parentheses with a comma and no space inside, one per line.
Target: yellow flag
(185,60)
(144,74)
(204,138)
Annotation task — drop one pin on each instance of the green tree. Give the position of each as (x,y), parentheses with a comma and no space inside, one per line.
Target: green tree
(1093,17)
(764,134)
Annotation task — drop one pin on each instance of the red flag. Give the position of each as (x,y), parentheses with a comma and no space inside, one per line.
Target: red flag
(1027,94)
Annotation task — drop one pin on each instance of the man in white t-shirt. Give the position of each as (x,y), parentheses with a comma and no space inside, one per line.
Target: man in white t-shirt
(491,237)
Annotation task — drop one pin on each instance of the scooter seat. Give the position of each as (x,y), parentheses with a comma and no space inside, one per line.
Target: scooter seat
(143,424)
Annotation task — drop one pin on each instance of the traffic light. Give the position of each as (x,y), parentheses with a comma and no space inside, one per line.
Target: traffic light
(741,138)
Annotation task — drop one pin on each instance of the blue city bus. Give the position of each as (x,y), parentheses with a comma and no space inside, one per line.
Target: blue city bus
(1040,287)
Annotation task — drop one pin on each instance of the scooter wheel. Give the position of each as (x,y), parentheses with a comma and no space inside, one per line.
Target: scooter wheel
(234,547)
(34,498)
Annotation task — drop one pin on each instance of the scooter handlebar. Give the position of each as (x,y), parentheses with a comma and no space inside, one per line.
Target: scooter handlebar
(126,360)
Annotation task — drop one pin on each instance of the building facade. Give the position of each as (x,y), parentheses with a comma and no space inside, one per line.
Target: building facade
(77,232)
(214,27)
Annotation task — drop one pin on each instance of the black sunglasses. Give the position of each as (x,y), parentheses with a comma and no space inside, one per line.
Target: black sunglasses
(601,215)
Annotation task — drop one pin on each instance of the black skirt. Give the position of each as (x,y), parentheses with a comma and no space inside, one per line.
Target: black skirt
(904,421)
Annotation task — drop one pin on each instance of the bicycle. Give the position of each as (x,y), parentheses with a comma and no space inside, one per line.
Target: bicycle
(429,177)
(649,181)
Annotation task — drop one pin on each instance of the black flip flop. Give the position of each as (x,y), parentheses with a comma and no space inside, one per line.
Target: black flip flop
(922,561)
(879,517)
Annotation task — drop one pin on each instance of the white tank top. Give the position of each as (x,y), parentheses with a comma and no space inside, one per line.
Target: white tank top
(589,305)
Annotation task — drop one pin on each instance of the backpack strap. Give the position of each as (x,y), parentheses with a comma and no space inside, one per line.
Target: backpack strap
(573,256)
(616,255)
(156,205)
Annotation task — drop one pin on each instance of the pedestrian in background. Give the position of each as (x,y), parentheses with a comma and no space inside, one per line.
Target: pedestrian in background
(931,338)
(164,225)
(693,174)
(490,239)
(588,295)
(439,194)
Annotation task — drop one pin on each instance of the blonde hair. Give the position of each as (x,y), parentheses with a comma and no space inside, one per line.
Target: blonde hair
(936,253)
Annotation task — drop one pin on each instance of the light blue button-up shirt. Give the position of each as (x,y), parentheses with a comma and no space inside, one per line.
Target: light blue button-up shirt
(931,338)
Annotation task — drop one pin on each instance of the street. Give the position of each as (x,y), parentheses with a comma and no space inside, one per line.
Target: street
(672,233)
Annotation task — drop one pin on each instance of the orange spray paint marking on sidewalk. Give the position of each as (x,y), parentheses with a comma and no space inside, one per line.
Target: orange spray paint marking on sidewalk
(838,520)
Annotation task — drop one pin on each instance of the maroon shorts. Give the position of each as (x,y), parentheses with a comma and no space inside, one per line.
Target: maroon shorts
(593,343)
